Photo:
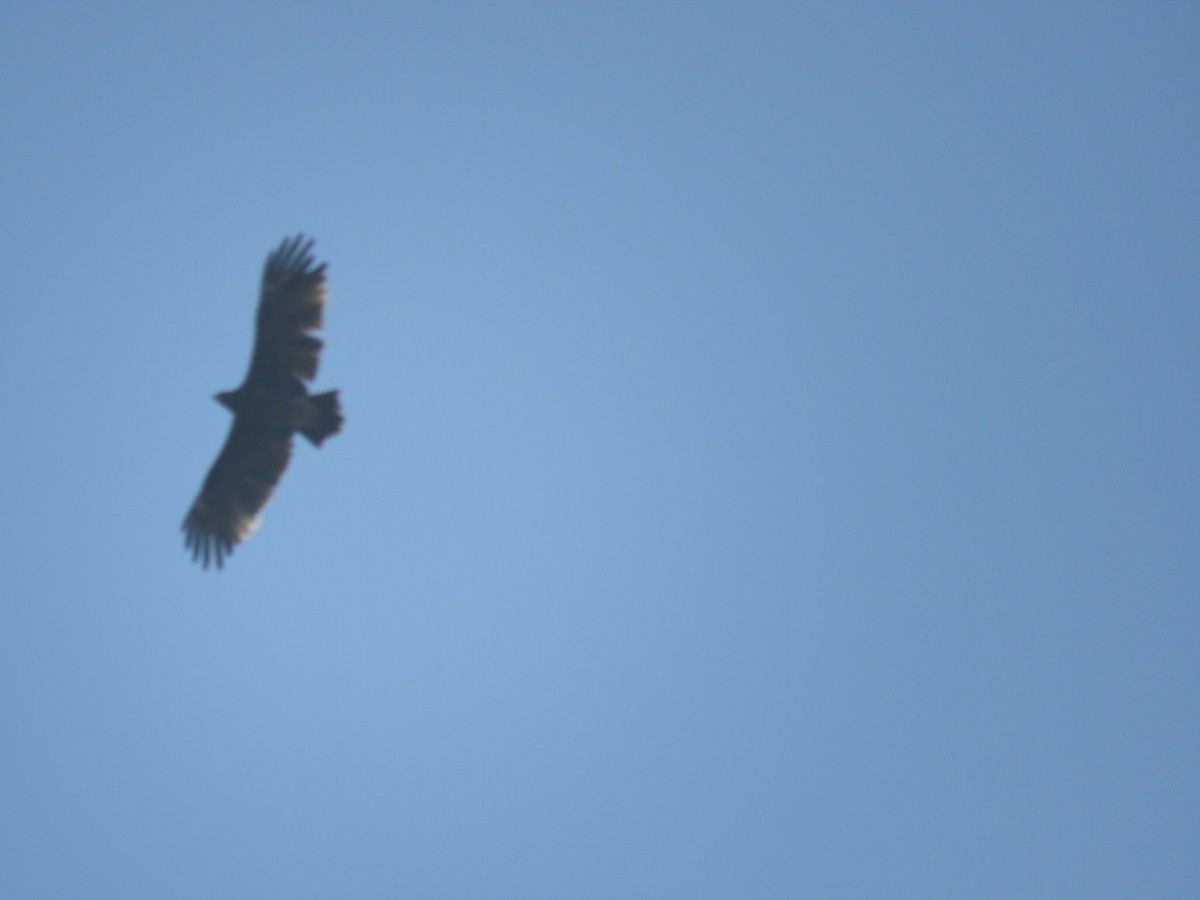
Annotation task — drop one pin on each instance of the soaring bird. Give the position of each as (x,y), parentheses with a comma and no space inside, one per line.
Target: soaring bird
(269,407)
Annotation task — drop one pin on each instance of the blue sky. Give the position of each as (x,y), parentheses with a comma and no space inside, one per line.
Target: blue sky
(769,470)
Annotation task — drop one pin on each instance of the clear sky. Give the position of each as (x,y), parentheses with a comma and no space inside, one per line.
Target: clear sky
(769,469)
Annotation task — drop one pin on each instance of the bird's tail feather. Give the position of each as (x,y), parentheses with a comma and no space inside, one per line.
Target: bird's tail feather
(323,418)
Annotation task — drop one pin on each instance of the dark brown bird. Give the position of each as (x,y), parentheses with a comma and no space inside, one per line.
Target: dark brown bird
(271,405)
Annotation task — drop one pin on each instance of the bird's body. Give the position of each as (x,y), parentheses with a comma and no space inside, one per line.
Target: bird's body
(269,407)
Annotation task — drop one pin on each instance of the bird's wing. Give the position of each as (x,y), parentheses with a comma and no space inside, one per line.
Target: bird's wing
(237,486)
(291,303)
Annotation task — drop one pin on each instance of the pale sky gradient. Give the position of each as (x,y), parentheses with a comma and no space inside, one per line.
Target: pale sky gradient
(769,469)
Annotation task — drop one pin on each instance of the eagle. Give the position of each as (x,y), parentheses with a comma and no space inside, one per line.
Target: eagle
(269,407)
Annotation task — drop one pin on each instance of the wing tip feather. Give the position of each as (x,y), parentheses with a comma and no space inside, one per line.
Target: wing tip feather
(208,546)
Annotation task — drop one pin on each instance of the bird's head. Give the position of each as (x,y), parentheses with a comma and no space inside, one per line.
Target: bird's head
(228,399)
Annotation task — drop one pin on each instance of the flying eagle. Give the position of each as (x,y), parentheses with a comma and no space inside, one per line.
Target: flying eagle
(271,405)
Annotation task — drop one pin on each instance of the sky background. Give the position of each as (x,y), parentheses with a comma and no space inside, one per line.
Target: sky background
(769,468)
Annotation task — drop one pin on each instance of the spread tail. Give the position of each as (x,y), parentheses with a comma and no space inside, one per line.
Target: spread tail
(322,418)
